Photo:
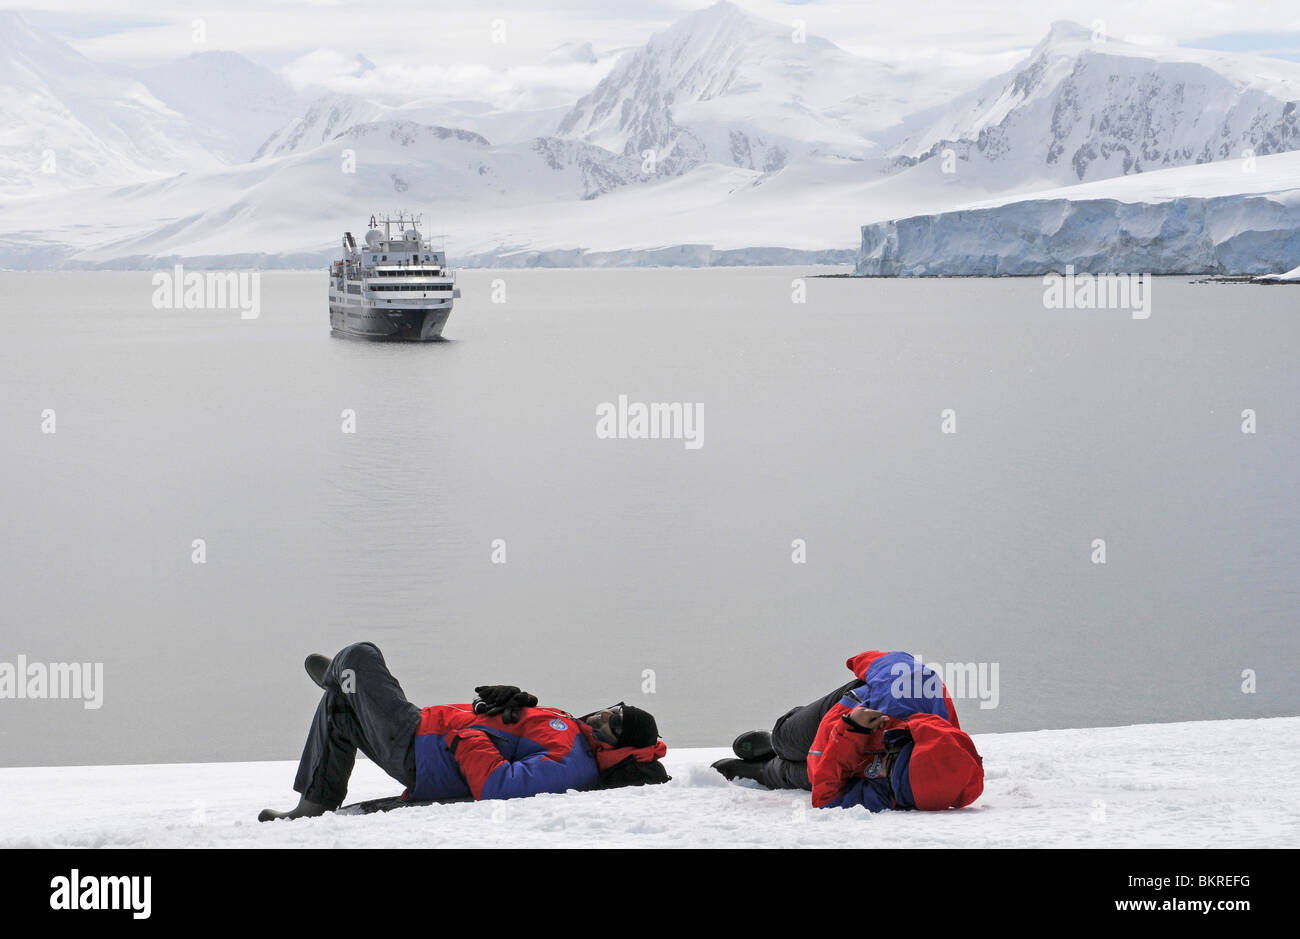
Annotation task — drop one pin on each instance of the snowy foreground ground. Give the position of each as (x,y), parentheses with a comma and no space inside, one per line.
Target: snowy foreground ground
(1208,784)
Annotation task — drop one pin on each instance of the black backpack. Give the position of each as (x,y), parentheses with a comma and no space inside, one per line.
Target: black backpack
(630,771)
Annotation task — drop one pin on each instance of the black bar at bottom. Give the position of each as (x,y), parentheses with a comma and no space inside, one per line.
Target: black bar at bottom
(271,886)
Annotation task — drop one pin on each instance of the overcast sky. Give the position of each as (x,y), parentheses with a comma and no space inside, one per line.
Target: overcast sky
(969,36)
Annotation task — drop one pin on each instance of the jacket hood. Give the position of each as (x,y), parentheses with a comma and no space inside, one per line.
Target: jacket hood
(940,769)
(898,684)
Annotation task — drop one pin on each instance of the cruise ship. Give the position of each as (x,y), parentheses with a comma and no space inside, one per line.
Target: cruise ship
(393,286)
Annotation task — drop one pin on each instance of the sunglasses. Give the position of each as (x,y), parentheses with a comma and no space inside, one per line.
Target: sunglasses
(616,720)
(614,725)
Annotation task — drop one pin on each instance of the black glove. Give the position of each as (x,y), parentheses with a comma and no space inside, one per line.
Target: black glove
(506,700)
(491,696)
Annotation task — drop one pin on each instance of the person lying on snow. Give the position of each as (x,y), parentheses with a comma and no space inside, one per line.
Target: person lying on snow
(889,739)
(501,746)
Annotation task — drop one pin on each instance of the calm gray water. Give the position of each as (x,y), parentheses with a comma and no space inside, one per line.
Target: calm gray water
(822,423)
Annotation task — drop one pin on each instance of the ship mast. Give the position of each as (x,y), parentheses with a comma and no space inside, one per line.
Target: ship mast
(401,221)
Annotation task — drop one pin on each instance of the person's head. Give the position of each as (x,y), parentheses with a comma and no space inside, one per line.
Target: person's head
(623,725)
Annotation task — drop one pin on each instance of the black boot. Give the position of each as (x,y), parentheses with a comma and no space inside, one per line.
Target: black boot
(304,809)
(316,666)
(738,769)
(754,746)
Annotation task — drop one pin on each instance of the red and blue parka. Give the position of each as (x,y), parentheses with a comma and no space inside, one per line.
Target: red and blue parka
(459,754)
(919,758)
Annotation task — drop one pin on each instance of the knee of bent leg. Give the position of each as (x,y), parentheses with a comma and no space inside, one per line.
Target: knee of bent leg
(353,655)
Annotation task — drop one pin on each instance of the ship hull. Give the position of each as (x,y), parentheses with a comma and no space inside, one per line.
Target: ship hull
(359,321)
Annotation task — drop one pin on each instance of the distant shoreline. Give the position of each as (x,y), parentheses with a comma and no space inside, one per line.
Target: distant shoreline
(1262,280)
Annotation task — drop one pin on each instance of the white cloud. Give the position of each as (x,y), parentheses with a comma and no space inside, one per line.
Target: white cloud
(505,88)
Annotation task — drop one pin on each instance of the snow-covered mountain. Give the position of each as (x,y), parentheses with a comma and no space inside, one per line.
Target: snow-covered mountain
(767,148)
(326,118)
(720,85)
(1084,107)
(69,123)
(330,115)
(292,209)
(723,86)
(232,104)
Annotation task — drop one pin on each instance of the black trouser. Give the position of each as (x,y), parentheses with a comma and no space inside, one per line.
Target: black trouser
(363,708)
(792,738)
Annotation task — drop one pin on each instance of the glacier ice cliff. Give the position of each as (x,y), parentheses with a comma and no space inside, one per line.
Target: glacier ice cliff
(1230,234)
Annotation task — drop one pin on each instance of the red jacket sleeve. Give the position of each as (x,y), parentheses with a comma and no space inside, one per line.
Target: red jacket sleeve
(835,768)
(832,760)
